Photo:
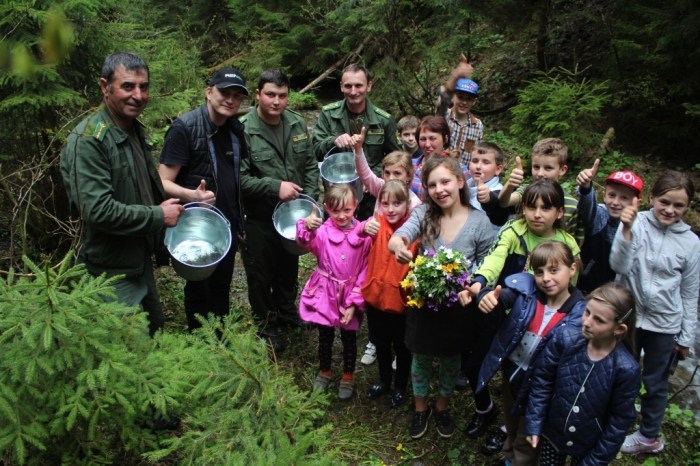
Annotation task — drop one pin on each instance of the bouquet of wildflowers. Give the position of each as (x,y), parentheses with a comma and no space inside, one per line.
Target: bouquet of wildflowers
(436,278)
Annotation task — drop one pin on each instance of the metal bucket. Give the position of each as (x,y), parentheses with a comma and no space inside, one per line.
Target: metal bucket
(285,220)
(201,238)
(339,168)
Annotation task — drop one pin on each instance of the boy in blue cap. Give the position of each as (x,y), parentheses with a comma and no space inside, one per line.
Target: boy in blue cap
(465,129)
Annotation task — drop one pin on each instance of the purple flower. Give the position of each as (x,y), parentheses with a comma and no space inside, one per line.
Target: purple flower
(430,253)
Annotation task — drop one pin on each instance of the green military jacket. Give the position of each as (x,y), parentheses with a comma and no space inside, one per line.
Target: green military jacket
(263,168)
(97,165)
(380,133)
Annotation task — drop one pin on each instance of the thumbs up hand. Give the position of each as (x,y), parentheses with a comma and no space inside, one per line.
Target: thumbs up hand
(483,193)
(358,140)
(586,177)
(403,255)
(313,221)
(628,215)
(372,224)
(517,175)
(490,301)
(202,195)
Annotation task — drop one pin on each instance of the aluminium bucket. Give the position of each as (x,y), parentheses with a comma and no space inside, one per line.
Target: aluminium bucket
(201,238)
(285,219)
(339,168)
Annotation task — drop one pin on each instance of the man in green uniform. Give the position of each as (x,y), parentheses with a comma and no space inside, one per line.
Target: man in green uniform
(339,121)
(113,184)
(280,165)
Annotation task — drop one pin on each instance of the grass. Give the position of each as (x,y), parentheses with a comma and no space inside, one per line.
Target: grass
(371,432)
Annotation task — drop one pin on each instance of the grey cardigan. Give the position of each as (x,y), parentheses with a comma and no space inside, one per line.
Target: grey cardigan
(661,266)
(473,240)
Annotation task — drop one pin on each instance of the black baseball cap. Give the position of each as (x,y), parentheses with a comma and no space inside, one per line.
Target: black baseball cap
(228,77)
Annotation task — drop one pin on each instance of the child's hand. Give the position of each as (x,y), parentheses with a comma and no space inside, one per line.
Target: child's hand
(372,225)
(349,313)
(403,255)
(357,141)
(483,193)
(586,177)
(465,297)
(533,440)
(312,222)
(517,175)
(628,215)
(490,301)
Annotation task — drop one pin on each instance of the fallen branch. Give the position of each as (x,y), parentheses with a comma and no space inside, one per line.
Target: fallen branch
(335,66)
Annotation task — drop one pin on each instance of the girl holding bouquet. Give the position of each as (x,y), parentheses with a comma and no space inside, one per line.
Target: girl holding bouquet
(445,219)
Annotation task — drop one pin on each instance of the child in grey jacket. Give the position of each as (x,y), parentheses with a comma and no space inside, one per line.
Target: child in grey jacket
(656,256)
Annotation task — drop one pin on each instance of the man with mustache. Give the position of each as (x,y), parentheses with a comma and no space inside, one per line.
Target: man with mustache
(279,166)
(201,162)
(113,185)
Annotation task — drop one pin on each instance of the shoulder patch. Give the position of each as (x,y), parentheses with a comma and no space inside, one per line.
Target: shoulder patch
(100,131)
(243,118)
(332,106)
(381,112)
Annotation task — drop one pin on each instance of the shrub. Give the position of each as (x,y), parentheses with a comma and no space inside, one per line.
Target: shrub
(302,101)
(81,381)
(558,105)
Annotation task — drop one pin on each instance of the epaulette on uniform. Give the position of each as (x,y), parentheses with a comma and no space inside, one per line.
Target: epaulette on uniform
(243,118)
(332,106)
(381,112)
(296,113)
(100,131)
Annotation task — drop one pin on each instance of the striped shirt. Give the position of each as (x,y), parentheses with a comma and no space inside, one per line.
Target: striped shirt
(463,137)
(570,220)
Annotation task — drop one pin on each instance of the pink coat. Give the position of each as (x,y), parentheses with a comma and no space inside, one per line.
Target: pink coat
(342,268)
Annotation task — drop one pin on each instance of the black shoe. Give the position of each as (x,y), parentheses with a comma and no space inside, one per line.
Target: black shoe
(376,390)
(274,341)
(397,398)
(445,426)
(480,422)
(420,422)
(462,382)
(494,443)
(296,322)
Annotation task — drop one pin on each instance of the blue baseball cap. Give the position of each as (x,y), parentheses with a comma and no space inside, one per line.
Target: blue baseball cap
(467,85)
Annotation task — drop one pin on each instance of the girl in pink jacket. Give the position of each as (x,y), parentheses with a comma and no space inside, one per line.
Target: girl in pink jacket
(332,297)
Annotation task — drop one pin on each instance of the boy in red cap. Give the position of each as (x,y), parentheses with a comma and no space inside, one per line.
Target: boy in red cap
(601,222)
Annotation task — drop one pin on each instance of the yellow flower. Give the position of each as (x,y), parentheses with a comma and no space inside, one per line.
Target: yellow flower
(419,260)
(399,447)
(455,265)
(448,267)
(406,284)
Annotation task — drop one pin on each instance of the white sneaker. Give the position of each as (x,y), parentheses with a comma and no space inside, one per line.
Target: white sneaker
(393,364)
(635,444)
(370,355)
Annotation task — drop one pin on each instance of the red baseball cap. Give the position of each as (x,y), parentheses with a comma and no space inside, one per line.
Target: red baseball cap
(627,178)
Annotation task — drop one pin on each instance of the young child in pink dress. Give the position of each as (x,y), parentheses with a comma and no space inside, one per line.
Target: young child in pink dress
(332,296)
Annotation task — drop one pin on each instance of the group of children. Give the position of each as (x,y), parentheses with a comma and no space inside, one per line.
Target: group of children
(542,305)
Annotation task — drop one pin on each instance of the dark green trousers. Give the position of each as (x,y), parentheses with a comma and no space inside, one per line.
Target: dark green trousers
(272,274)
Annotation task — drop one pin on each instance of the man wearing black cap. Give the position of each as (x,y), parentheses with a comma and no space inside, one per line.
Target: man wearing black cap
(200,162)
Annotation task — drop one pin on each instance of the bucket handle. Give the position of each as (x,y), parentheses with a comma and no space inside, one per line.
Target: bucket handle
(334,150)
(305,196)
(209,206)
